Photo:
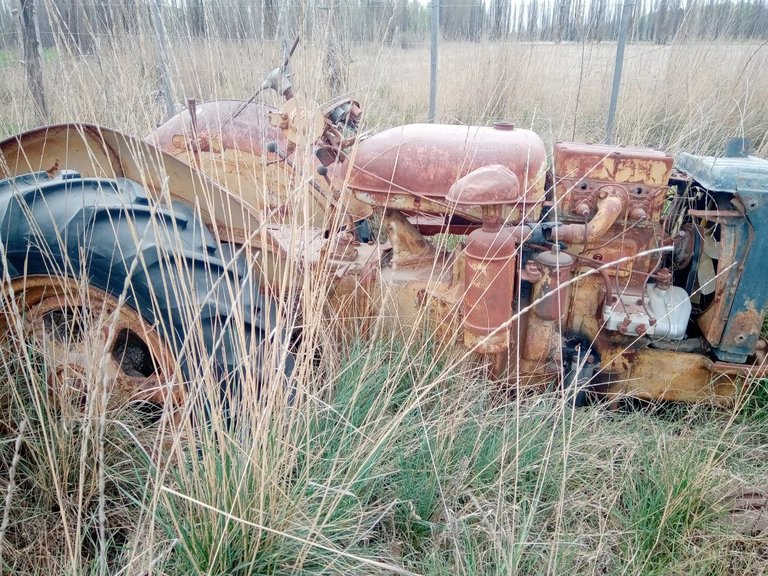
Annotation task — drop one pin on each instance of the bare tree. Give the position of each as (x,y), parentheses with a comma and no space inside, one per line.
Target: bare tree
(30,40)
(336,57)
(196,12)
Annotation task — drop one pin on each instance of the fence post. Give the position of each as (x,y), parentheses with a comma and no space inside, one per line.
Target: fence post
(435,31)
(610,127)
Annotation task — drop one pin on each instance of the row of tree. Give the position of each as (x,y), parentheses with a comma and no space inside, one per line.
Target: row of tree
(78,24)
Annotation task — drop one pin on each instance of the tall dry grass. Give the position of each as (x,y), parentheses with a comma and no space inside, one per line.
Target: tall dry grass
(689,96)
(387,455)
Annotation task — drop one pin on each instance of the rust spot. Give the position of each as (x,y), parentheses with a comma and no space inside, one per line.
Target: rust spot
(744,325)
(53,169)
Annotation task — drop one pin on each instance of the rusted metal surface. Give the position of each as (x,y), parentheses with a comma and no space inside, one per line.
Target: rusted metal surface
(584,173)
(233,151)
(619,192)
(751,371)
(665,375)
(440,178)
(609,209)
(489,257)
(217,129)
(552,290)
(538,341)
(744,325)
(444,315)
(712,322)
(490,262)
(611,163)
(87,337)
(352,301)
(95,151)
(551,296)
(715,214)
(410,249)
(492,185)
(411,168)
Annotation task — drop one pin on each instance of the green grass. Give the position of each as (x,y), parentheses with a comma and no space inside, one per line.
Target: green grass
(393,462)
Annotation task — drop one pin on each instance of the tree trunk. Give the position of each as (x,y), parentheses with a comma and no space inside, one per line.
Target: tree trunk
(30,40)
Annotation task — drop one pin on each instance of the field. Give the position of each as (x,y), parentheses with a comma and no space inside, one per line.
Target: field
(677,97)
(388,456)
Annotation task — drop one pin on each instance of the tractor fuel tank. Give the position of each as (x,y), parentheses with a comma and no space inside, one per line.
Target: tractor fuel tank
(412,167)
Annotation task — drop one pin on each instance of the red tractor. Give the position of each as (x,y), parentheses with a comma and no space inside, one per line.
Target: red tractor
(613,270)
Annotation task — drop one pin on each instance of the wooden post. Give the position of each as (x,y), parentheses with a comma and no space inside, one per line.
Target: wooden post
(29,37)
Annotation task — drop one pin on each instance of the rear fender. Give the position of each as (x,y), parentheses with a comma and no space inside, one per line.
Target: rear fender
(99,152)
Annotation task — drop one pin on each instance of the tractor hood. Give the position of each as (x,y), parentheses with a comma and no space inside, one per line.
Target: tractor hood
(412,167)
(734,172)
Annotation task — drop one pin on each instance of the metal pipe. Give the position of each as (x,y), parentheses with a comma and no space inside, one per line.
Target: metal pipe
(435,31)
(610,127)
(598,266)
(608,211)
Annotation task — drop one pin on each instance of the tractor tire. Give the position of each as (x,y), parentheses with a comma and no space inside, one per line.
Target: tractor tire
(161,308)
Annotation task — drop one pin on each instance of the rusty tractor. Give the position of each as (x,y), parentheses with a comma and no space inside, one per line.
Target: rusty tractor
(613,270)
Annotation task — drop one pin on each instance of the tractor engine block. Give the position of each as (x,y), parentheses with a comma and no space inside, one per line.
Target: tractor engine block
(581,274)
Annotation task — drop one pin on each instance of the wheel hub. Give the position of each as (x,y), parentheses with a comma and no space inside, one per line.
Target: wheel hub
(91,343)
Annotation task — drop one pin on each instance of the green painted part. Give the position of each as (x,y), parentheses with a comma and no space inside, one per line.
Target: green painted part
(733,172)
(746,292)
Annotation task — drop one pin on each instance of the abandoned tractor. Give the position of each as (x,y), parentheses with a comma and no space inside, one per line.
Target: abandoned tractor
(615,269)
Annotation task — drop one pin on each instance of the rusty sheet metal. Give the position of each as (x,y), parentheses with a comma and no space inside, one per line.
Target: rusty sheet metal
(95,151)
(492,185)
(749,292)
(232,150)
(745,324)
(585,173)
(666,375)
(412,167)
(217,129)
(733,245)
(490,262)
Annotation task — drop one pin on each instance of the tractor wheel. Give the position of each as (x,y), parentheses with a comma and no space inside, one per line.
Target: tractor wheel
(83,335)
(107,284)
